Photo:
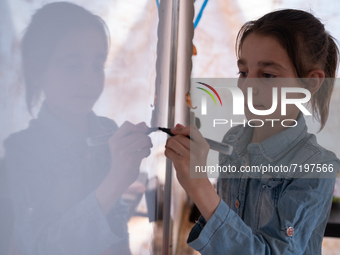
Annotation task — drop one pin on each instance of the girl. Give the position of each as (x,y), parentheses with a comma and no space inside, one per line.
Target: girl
(267,214)
(66,195)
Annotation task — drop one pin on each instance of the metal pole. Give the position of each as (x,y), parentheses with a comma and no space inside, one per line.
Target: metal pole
(167,243)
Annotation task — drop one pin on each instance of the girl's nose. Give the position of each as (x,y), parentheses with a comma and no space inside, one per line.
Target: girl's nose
(255,90)
(245,83)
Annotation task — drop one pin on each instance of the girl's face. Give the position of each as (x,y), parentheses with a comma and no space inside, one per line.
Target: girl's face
(74,78)
(262,57)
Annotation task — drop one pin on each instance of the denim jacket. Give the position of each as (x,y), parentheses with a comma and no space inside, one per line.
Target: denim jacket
(52,176)
(270,213)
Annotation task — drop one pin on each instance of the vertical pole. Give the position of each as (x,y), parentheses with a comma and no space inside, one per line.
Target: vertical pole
(167,242)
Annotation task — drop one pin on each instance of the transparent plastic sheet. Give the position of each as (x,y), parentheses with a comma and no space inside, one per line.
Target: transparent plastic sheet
(61,171)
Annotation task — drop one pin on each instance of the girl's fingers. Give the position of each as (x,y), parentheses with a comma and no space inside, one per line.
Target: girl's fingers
(183,140)
(130,139)
(142,141)
(125,129)
(177,129)
(179,125)
(124,141)
(172,155)
(128,133)
(128,128)
(143,153)
(191,131)
(143,128)
(175,144)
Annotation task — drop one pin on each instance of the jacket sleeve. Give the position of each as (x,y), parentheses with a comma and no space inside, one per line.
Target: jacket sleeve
(226,233)
(39,228)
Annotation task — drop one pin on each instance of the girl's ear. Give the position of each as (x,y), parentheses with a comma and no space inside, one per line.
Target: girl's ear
(314,79)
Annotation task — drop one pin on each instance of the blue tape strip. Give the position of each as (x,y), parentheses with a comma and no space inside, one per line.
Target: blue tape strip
(198,18)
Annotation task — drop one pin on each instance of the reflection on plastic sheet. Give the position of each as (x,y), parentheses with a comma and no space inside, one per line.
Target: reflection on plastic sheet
(69,198)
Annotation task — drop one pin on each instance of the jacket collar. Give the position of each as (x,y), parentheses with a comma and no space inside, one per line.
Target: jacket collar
(274,147)
(64,136)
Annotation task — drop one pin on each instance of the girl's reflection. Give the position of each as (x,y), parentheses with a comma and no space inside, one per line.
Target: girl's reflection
(66,195)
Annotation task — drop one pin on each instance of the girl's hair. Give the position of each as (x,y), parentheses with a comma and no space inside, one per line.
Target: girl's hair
(48,25)
(308,46)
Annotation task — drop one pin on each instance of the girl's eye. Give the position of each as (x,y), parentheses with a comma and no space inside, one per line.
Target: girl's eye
(267,75)
(242,74)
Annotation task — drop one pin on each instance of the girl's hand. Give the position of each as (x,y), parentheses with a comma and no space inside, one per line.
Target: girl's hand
(185,154)
(182,151)
(128,146)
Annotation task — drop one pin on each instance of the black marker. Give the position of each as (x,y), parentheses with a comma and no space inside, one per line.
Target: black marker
(165,130)
(216,146)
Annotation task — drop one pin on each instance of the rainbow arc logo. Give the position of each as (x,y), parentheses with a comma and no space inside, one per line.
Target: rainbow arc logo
(212,89)
(238,100)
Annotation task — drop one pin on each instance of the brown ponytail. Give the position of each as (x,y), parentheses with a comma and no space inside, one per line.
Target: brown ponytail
(321,99)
